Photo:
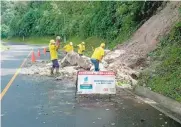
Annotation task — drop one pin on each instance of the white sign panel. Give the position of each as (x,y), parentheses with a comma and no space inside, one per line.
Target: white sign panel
(102,82)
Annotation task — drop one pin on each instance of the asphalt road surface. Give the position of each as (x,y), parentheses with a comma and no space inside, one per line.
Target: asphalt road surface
(37,101)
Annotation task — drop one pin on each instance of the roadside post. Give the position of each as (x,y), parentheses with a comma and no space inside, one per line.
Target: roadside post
(102,82)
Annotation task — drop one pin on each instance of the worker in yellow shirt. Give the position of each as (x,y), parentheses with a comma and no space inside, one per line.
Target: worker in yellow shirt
(68,48)
(54,56)
(81,48)
(97,56)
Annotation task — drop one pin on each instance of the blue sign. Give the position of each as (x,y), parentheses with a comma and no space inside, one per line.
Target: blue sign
(86,86)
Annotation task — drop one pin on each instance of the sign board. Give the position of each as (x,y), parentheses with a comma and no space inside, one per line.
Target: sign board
(102,82)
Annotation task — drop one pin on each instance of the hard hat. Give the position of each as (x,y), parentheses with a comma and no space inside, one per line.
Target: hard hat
(71,43)
(52,41)
(102,45)
(83,43)
(58,38)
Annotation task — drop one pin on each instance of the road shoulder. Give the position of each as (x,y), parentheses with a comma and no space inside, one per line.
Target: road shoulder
(164,104)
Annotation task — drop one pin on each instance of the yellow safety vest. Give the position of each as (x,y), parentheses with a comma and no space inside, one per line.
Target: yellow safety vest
(98,53)
(53,51)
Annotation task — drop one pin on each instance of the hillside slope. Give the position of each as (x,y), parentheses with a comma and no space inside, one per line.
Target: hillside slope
(127,59)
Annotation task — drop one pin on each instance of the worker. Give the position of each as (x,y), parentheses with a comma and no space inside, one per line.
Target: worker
(97,56)
(81,48)
(58,40)
(68,48)
(54,56)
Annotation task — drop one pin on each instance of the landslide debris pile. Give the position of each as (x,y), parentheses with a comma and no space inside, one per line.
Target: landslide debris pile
(70,64)
(130,58)
(126,60)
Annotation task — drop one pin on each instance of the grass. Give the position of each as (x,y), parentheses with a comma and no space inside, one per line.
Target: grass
(120,83)
(30,40)
(3,48)
(165,77)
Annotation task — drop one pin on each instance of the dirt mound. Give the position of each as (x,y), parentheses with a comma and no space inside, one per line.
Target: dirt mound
(133,53)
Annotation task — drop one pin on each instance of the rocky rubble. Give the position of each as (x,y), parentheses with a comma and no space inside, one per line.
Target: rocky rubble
(69,66)
(74,59)
(72,63)
(128,59)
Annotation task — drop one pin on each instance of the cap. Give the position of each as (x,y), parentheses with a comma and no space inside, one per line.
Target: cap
(102,45)
(52,41)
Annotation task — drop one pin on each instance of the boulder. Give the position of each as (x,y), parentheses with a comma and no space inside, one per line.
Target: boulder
(74,59)
(64,62)
(84,62)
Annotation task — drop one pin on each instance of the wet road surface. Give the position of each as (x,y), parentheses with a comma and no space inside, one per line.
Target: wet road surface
(37,101)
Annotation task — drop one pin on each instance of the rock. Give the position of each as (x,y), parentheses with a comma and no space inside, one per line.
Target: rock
(84,62)
(134,82)
(64,62)
(36,73)
(111,56)
(77,67)
(49,64)
(74,59)
(112,124)
(59,78)
(106,51)
(142,120)
(104,63)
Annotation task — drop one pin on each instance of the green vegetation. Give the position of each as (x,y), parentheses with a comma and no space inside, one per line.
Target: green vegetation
(2,47)
(112,21)
(29,40)
(120,83)
(165,77)
(90,43)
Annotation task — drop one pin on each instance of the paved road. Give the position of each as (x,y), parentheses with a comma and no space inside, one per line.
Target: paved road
(35,101)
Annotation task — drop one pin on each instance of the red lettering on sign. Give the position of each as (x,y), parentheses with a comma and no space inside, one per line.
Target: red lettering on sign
(95,73)
(105,89)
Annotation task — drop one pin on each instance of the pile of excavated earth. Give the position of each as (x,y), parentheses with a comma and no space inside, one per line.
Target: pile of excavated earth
(127,60)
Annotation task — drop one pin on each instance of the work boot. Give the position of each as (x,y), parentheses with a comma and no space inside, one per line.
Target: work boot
(51,71)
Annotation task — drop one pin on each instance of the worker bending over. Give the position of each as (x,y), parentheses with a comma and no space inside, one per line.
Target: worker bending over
(97,56)
(54,56)
(68,48)
(81,48)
